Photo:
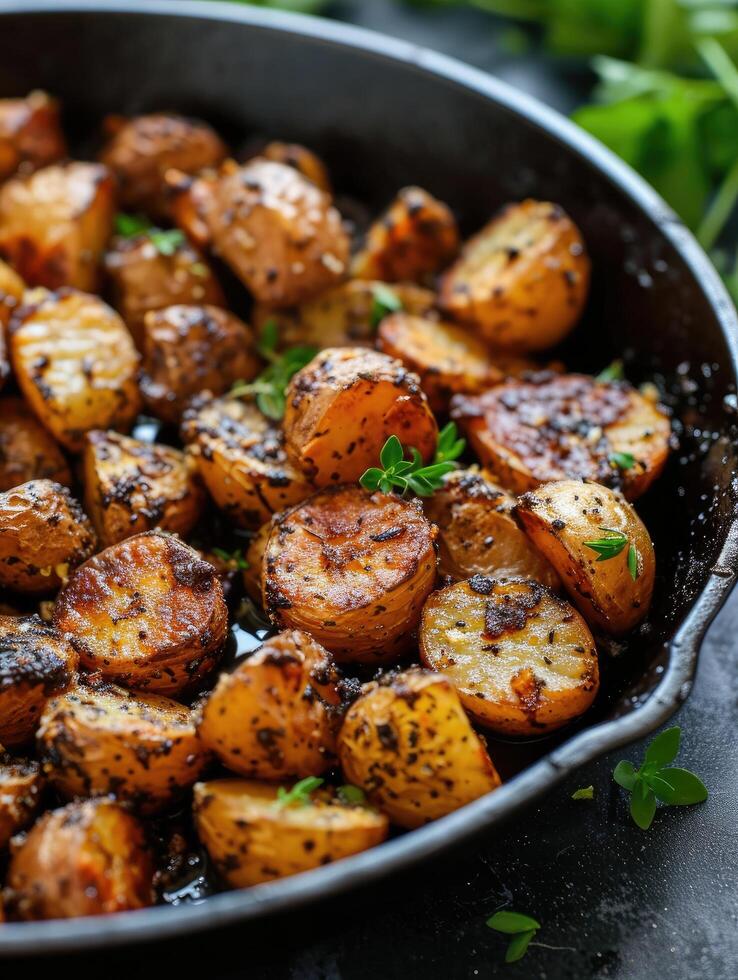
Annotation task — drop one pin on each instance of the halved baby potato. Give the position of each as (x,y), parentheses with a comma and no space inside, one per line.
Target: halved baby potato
(568,426)
(612,584)
(344,405)
(21,785)
(353,570)
(273,716)
(147,613)
(31,135)
(408,744)
(27,451)
(521,281)
(252,837)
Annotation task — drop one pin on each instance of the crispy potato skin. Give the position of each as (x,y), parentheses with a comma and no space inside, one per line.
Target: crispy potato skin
(478,533)
(87,858)
(560,517)
(278,232)
(242,459)
(35,664)
(133,486)
(407,742)
(30,134)
(343,406)
(287,692)
(522,281)
(104,740)
(147,613)
(27,451)
(352,569)
(565,426)
(21,785)
(43,533)
(251,839)
(55,223)
(301,159)
(141,150)
(76,364)
(11,293)
(253,575)
(415,238)
(190,200)
(189,349)
(522,660)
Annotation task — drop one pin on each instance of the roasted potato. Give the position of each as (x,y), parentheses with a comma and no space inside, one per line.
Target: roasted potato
(242,459)
(191,198)
(408,744)
(415,238)
(189,349)
(522,281)
(30,134)
(352,569)
(133,486)
(21,785)
(35,663)
(87,858)
(76,365)
(611,585)
(102,740)
(478,533)
(251,837)
(141,150)
(253,575)
(300,158)
(287,691)
(55,223)
(11,292)
(343,406)
(27,451)
(43,534)
(521,659)
(566,426)
(147,613)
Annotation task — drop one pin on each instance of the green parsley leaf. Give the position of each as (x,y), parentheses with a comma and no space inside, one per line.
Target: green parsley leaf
(521,927)
(613,372)
(299,795)
(351,795)
(665,747)
(585,793)
(623,461)
(236,557)
(165,242)
(384,302)
(610,545)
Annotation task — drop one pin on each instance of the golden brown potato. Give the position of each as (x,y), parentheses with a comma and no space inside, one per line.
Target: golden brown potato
(521,659)
(408,744)
(353,570)
(141,150)
(252,838)
(253,575)
(566,426)
(343,406)
(76,365)
(415,238)
(189,349)
(521,281)
(278,232)
(613,591)
(55,223)
(133,486)
(242,459)
(35,663)
(103,740)
(43,534)
(27,451)
(478,533)
(12,288)
(87,858)
(144,278)
(300,158)
(147,613)
(30,134)
(21,785)
(191,198)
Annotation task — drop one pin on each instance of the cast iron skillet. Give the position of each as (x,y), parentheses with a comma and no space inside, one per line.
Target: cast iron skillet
(385,114)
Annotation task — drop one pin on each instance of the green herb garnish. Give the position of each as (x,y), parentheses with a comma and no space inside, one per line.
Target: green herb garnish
(610,546)
(384,302)
(270,387)
(166,242)
(623,461)
(299,795)
(585,793)
(130,225)
(522,928)
(351,795)
(613,372)
(232,557)
(402,474)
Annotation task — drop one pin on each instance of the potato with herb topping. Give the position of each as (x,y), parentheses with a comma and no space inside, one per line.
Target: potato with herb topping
(27,451)
(30,134)
(21,786)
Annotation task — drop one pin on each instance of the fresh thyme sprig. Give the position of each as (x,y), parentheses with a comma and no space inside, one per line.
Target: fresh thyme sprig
(384,302)
(300,793)
(611,544)
(234,557)
(522,928)
(166,242)
(402,474)
(613,372)
(623,461)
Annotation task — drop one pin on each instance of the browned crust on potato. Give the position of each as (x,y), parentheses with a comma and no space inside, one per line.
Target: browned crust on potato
(30,133)
(300,158)
(21,786)
(27,451)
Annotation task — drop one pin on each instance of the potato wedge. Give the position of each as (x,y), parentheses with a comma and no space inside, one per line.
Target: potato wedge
(43,534)
(147,613)
(566,426)
(300,158)
(55,223)
(27,451)
(343,406)
(21,785)
(415,238)
(87,858)
(76,365)
(251,838)
(242,459)
(103,740)
(253,578)
(408,744)
(614,591)
(522,660)
(189,349)
(521,281)
(30,134)
(353,570)
(35,663)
